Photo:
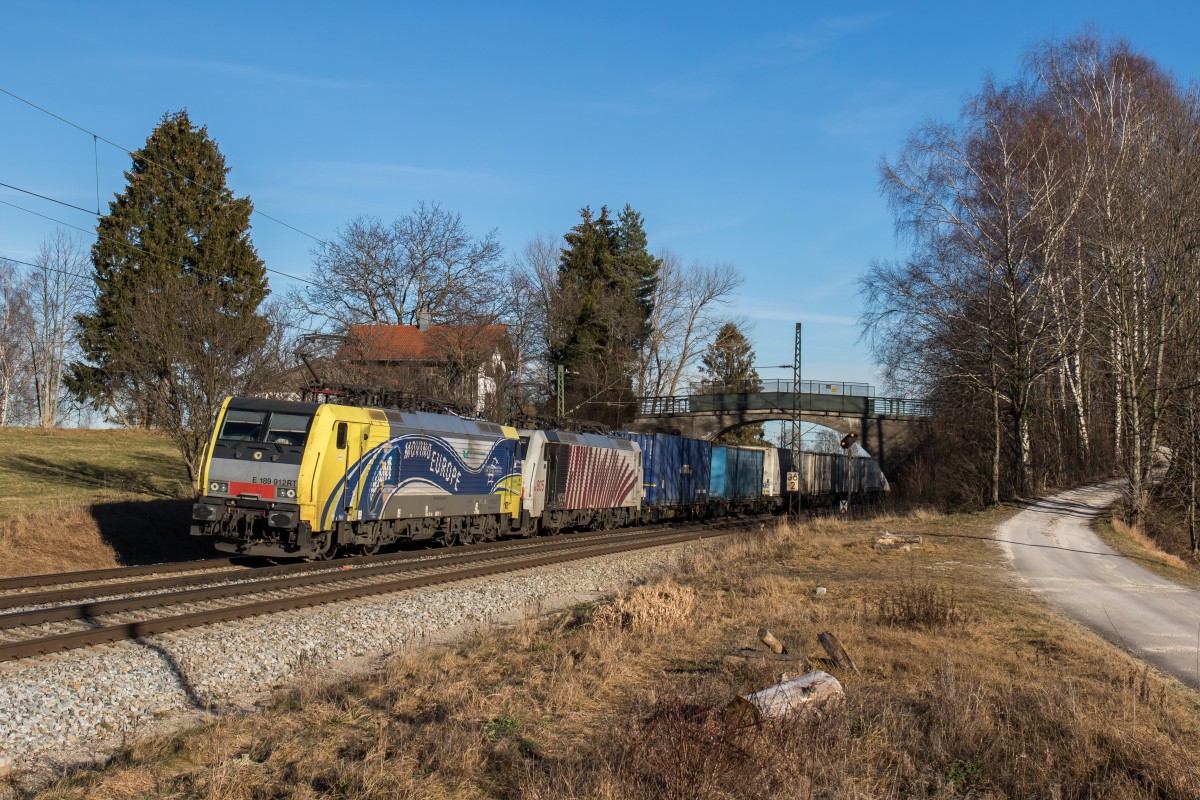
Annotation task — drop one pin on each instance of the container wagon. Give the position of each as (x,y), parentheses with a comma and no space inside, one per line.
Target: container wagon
(675,475)
(736,478)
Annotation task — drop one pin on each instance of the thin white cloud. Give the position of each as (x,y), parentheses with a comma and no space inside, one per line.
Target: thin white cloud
(756,310)
(374,175)
(713,78)
(253,73)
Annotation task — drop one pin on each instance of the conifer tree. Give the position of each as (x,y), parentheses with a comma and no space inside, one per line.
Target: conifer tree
(637,268)
(178,282)
(728,366)
(607,280)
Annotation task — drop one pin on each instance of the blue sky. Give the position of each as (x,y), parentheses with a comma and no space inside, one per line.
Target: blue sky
(746,133)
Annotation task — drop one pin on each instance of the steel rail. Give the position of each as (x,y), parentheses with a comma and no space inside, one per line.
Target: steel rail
(567,551)
(336,574)
(244,573)
(50,579)
(75,592)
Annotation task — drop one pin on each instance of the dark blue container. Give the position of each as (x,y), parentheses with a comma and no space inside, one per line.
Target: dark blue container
(675,470)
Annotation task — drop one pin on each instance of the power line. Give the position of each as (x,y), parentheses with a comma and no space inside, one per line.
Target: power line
(44,197)
(131,246)
(97,137)
(43,266)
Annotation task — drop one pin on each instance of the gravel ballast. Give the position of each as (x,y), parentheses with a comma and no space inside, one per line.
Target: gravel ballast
(77,706)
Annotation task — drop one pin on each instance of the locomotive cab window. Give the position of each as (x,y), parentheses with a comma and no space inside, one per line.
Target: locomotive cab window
(273,427)
(291,429)
(243,426)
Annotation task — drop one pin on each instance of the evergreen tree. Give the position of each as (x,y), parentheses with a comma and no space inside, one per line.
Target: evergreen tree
(728,366)
(636,267)
(176,220)
(607,280)
(178,282)
(585,272)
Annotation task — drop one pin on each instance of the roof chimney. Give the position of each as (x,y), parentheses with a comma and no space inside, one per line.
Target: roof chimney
(423,319)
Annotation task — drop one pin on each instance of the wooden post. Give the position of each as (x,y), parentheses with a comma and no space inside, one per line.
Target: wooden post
(836,652)
(770,641)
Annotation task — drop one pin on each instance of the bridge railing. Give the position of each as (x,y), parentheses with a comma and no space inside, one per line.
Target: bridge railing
(654,406)
(901,407)
(852,405)
(774,385)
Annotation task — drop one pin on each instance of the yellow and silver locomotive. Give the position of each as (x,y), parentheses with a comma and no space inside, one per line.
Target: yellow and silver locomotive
(305,479)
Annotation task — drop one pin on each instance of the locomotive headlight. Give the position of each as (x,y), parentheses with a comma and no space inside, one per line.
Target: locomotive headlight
(218,486)
(289,492)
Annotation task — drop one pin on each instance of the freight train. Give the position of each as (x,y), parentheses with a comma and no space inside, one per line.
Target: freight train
(309,480)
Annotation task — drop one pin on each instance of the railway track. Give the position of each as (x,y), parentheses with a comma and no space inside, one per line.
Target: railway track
(49,622)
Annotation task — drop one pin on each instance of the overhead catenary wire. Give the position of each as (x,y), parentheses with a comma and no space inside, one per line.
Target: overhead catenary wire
(45,197)
(168,170)
(48,269)
(127,244)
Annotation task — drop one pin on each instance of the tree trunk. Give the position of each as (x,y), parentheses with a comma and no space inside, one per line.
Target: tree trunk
(996,433)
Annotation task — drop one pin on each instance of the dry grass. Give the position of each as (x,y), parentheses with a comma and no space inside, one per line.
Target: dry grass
(85,499)
(982,693)
(36,544)
(1146,545)
(1133,543)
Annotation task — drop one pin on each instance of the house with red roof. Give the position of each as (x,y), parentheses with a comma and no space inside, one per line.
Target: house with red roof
(463,363)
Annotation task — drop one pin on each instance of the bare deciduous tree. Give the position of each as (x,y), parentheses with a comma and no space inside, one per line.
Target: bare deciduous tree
(530,290)
(1055,271)
(376,273)
(58,289)
(15,326)
(688,306)
(201,358)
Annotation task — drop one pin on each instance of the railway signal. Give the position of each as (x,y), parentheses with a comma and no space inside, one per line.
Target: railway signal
(847,443)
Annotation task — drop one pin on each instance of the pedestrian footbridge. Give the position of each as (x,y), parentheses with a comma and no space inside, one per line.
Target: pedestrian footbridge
(888,427)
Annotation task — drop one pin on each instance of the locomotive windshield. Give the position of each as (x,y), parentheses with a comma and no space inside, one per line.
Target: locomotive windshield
(272,427)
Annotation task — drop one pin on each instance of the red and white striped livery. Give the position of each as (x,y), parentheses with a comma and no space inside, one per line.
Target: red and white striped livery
(577,479)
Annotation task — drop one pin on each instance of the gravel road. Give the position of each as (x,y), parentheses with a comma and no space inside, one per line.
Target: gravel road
(1054,550)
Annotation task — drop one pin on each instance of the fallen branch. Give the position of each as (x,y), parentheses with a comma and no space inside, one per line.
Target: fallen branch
(770,641)
(757,658)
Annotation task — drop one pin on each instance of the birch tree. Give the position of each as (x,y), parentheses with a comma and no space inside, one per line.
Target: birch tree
(15,327)
(58,291)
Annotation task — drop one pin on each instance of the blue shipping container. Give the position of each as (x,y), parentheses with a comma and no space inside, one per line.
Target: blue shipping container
(675,470)
(716,485)
(737,473)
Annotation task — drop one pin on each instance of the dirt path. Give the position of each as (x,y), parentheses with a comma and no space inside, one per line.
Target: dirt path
(1053,548)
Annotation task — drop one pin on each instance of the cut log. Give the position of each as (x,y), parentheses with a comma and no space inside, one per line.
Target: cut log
(756,658)
(786,699)
(897,541)
(770,641)
(836,652)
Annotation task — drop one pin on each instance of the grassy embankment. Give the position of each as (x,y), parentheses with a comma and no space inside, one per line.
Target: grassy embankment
(969,687)
(85,499)
(1145,551)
